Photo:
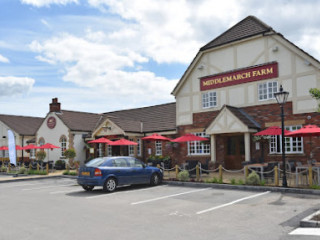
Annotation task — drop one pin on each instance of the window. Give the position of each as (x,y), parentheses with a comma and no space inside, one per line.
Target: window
(32,153)
(109,150)
(197,147)
(41,141)
(134,162)
(63,145)
(139,147)
(131,148)
(292,144)
(209,99)
(158,148)
(266,90)
(119,162)
(100,149)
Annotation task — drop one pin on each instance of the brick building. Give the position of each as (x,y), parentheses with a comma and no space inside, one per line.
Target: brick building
(226,94)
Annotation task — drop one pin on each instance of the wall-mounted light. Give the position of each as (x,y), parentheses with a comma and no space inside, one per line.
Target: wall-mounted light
(275,49)
(306,62)
(200,67)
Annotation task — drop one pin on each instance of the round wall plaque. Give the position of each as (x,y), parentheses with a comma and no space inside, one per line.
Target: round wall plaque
(51,122)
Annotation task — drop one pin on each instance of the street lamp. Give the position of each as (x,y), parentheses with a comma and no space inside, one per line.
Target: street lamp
(281,98)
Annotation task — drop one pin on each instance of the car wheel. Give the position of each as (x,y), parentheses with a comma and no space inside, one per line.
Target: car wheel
(87,188)
(110,185)
(155,179)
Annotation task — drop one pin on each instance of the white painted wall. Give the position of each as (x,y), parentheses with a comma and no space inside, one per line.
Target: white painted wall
(295,75)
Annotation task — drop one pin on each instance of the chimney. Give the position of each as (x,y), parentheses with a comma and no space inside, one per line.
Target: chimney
(55,105)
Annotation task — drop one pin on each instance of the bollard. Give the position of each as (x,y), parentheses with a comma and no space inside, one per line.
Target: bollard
(38,167)
(310,176)
(47,168)
(9,167)
(220,173)
(177,171)
(198,172)
(276,176)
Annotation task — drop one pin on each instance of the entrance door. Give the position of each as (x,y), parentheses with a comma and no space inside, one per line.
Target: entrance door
(235,152)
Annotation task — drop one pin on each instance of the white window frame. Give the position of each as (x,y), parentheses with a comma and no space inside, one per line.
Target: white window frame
(131,148)
(266,90)
(32,154)
(139,147)
(293,145)
(100,149)
(158,148)
(198,147)
(209,99)
(109,150)
(63,146)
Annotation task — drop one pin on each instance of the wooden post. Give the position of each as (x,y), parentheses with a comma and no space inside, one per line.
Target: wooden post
(198,172)
(9,167)
(246,172)
(177,171)
(38,167)
(310,176)
(220,173)
(47,168)
(276,176)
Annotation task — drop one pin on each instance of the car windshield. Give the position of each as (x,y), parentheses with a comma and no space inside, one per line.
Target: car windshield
(96,162)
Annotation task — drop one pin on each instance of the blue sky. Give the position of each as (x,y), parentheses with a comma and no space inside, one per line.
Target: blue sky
(105,55)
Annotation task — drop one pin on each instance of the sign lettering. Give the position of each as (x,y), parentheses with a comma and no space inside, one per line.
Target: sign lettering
(240,76)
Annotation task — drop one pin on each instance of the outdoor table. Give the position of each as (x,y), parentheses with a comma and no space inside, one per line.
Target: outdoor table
(259,166)
(315,167)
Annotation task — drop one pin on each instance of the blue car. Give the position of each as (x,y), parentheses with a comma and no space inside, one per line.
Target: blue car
(111,172)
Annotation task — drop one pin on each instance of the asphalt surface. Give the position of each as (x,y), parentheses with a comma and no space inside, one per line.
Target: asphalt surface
(59,209)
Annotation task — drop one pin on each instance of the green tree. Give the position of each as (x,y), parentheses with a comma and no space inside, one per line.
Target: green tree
(41,155)
(315,93)
(70,154)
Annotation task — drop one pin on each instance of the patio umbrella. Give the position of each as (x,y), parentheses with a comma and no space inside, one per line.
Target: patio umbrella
(123,142)
(101,140)
(31,146)
(272,131)
(306,131)
(188,138)
(48,146)
(156,137)
(18,147)
(3,148)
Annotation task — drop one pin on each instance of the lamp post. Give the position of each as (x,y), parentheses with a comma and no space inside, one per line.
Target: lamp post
(281,98)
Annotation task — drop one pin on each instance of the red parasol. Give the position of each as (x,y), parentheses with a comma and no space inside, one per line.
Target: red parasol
(308,130)
(3,148)
(272,131)
(101,140)
(189,138)
(30,146)
(18,147)
(123,142)
(156,137)
(48,146)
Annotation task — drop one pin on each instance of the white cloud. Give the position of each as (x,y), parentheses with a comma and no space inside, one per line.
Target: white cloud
(11,86)
(4,59)
(46,3)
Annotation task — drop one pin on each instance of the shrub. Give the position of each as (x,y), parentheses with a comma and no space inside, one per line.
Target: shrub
(36,172)
(3,168)
(253,179)
(41,155)
(22,170)
(240,182)
(183,176)
(66,172)
(233,181)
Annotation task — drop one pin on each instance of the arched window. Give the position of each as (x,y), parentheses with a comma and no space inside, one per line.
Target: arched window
(41,141)
(63,144)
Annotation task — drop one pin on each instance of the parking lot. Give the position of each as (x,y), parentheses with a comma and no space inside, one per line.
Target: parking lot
(59,209)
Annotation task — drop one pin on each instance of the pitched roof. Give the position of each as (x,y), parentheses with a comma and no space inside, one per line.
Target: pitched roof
(244,117)
(154,118)
(22,125)
(248,27)
(149,119)
(79,121)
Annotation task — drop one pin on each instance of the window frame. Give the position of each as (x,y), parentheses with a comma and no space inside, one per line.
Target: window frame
(198,147)
(158,148)
(209,101)
(266,92)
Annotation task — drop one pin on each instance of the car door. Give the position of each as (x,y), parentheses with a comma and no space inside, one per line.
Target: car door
(139,173)
(122,171)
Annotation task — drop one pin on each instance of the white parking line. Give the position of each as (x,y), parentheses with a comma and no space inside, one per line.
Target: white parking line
(169,196)
(66,191)
(29,189)
(306,231)
(233,202)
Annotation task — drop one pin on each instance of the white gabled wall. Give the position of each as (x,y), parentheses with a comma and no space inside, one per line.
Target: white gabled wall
(296,76)
(53,136)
